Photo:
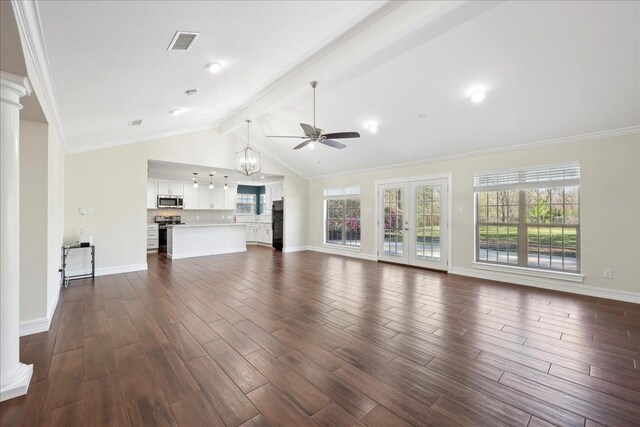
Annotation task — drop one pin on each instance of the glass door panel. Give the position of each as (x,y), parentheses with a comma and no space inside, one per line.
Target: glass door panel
(413,223)
(392,223)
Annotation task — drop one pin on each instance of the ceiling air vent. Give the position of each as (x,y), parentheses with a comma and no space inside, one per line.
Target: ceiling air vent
(182,40)
(135,122)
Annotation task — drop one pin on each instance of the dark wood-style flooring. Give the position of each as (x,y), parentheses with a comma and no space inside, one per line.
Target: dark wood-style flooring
(305,338)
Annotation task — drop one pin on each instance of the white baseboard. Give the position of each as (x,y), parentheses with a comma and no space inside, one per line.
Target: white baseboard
(337,251)
(34,326)
(295,249)
(207,253)
(105,271)
(548,284)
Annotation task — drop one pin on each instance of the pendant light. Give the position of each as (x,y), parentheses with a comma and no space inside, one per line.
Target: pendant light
(210,181)
(248,160)
(195,180)
(226,186)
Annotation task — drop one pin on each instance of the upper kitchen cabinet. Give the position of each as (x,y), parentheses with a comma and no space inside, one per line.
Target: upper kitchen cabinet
(191,197)
(211,199)
(170,188)
(272,192)
(231,197)
(152,194)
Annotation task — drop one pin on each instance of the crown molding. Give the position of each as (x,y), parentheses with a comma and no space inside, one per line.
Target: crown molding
(37,60)
(544,143)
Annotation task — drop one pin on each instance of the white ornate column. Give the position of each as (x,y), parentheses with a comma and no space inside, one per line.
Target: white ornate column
(14,376)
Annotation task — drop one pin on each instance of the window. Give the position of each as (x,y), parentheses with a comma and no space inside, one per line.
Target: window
(263,204)
(246,204)
(342,216)
(529,218)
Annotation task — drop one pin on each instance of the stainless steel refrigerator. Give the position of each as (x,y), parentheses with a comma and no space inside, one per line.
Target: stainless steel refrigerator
(277,223)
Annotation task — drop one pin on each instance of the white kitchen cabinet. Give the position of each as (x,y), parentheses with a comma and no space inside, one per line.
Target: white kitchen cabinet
(191,197)
(152,237)
(230,198)
(211,199)
(276,192)
(264,234)
(272,192)
(152,194)
(170,188)
(252,230)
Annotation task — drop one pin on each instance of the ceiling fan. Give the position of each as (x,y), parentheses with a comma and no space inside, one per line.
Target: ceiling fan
(314,134)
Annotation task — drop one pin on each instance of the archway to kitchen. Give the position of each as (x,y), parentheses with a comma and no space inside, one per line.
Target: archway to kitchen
(197,210)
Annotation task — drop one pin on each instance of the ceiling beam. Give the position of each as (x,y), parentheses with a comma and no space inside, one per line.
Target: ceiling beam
(388,32)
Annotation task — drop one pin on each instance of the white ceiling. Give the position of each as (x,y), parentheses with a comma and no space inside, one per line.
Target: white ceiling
(169,171)
(552,70)
(110,63)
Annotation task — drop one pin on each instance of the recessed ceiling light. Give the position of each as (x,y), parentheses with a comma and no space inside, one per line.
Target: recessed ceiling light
(422,115)
(213,67)
(478,95)
(135,122)
(191,92)
(373,127)
(175,112)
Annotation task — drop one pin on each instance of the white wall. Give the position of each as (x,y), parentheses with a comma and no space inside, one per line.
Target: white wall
(41,223)
(55,217)
(33,220)
(113,182)
(610,207)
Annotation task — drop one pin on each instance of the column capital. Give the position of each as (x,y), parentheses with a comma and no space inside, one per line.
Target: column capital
(18,85)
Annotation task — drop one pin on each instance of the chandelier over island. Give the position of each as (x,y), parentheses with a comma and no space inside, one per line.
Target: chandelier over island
(248,160)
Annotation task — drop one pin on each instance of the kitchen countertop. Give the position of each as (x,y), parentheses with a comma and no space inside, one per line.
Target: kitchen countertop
(212,224)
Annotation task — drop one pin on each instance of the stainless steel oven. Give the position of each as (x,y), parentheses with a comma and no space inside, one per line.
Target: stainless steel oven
(170,202)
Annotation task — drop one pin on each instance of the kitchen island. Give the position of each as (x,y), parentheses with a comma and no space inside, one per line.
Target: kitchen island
(193,240)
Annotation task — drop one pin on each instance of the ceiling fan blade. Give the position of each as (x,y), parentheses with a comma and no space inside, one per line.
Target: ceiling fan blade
(285,136)
(339,135)
(332,143)
(309,130)
(302,144)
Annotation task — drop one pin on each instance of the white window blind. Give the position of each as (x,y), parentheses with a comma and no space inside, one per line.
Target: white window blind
(567,175)
(342,191)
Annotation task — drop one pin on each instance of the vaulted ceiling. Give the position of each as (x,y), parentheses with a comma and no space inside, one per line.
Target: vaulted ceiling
(550,69)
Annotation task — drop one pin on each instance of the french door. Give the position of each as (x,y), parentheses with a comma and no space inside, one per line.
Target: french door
(412,223)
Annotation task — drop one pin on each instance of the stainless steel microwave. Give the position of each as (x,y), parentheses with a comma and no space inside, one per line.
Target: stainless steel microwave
(170,202)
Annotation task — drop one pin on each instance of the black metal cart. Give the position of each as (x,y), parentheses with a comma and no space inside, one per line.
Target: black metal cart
(65,252)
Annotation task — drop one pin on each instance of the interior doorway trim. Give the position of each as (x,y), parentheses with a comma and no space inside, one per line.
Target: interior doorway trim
(449,177)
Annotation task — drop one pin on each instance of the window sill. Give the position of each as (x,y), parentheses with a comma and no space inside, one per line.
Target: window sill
(558,275)
(342,247)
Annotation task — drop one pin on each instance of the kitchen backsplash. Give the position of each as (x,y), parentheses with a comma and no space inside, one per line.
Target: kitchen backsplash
(191,216)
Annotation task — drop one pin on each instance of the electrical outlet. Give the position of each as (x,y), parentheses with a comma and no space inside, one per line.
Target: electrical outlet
(608,274)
